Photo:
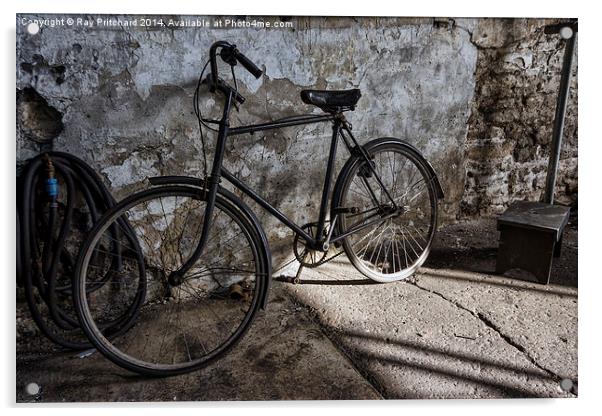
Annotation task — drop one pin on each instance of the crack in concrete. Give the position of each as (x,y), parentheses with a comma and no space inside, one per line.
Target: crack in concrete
(491,325)
(334,335)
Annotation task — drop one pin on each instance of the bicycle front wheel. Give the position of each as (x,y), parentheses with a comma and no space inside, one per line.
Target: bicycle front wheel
(180,325)
(389,244)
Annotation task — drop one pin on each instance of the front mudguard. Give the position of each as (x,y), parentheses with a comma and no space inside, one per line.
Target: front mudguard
(369,147)
(244,209)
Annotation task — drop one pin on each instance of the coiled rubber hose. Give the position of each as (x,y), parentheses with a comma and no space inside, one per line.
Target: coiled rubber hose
(48,241)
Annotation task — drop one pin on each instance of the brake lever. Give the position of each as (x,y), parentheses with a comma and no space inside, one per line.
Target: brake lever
(223,87)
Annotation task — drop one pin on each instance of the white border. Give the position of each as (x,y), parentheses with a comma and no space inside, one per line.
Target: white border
(589,168)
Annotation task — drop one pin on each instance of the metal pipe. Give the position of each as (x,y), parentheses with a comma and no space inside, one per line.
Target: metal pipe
(277,124)
(559,116)
(266,205)
(328,179)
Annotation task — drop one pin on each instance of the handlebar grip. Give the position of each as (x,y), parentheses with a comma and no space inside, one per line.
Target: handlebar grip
(248,64)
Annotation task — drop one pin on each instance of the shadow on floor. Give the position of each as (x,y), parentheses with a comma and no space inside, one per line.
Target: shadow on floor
(472,247)
(499,375)
(328,282)
(459,251)
(500,281)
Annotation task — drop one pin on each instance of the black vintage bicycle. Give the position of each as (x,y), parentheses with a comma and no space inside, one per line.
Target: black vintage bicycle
(201,259)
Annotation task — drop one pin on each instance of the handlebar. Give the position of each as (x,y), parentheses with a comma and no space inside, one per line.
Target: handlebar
(230,55)
(213,60)
(248,64)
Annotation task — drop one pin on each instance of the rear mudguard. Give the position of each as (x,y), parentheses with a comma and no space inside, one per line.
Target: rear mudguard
(369,147)
(244,209)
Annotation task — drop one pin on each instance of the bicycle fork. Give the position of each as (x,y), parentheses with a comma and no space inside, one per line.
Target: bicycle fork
(210,188)
(368,169)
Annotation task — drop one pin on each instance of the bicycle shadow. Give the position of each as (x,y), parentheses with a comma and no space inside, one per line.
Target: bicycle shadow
(337,272)
(326,282)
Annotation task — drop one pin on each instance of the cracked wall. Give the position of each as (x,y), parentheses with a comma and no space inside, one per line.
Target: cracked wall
(124,96)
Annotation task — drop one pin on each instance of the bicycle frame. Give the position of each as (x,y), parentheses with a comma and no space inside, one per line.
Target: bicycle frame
(302,120)
(340,127)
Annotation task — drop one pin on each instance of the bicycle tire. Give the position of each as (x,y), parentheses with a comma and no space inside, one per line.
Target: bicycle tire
(130,350)
(402,235)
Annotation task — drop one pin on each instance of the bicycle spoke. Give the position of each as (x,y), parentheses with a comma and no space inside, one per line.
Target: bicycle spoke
(386,252)
(182,322)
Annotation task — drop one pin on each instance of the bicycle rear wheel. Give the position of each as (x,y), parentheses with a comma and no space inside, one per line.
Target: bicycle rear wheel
(388,245)
(180,325)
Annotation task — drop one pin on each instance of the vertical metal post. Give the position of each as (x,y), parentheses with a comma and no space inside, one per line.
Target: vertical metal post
(336,127)
(559,116)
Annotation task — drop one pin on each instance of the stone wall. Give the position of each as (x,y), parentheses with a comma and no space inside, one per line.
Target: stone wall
(476,96)
(510,127)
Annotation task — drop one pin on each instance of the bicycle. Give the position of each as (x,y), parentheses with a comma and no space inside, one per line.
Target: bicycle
(207,263)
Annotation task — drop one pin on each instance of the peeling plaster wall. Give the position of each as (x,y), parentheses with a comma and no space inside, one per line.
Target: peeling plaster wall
(125,97)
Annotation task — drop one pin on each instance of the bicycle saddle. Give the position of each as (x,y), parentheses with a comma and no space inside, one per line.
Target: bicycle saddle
(332,101)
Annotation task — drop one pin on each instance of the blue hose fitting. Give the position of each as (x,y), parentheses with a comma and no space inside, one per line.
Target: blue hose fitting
(52,187)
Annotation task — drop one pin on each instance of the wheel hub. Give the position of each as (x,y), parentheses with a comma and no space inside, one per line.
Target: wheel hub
(175,279)
(388,210)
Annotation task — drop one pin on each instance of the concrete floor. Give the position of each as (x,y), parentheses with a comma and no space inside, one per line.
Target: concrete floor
(455,330)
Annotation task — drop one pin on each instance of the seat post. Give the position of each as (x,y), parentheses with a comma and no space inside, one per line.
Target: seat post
(336,128)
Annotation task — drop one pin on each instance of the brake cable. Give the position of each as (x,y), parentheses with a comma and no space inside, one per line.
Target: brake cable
(202,121)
